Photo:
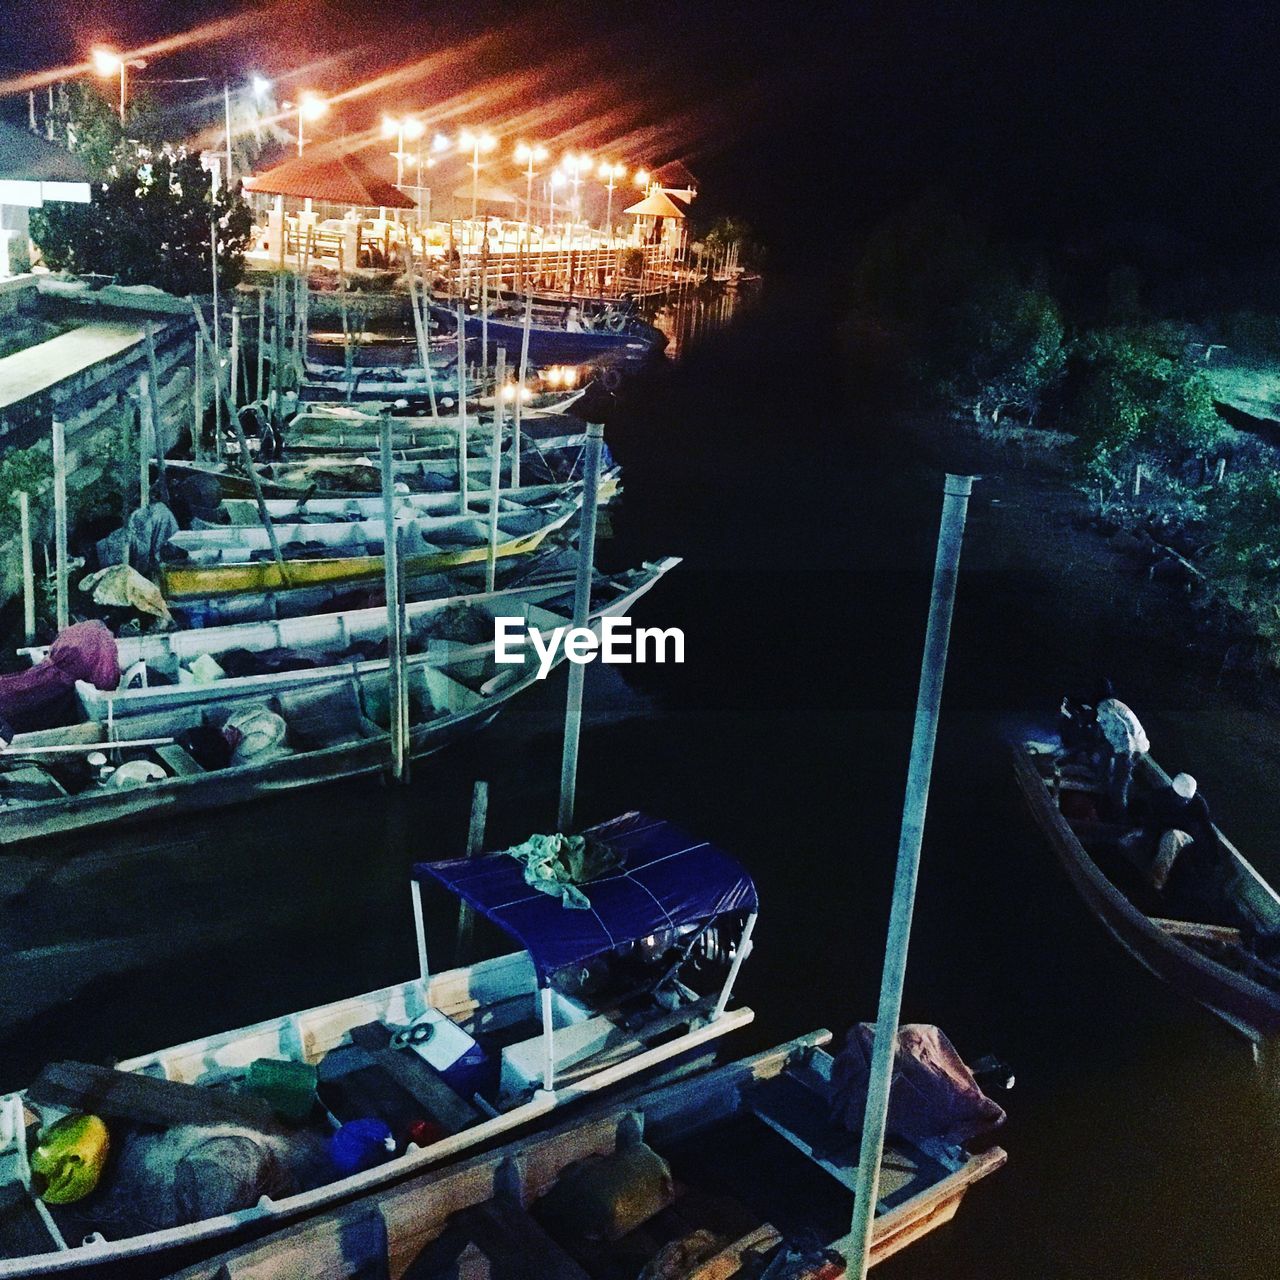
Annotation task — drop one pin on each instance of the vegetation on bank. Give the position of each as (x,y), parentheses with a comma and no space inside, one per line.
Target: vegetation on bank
(154,209)
(1014,343)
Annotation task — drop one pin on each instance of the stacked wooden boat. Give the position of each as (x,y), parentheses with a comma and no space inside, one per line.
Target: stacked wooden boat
(434,1065)
(329,707)
(724,1174)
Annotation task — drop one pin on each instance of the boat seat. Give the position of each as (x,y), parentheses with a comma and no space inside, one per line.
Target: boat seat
(522,1062)
(23,1230)
(515,1246)
(179,762)
(323,717)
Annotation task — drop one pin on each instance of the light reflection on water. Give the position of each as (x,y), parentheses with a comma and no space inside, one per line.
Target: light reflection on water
(695,312)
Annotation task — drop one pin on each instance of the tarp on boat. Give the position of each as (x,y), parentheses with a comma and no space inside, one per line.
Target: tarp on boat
(43,696)
(665,878)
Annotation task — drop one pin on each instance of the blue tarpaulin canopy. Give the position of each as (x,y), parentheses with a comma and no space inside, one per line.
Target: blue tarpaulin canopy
(666,878)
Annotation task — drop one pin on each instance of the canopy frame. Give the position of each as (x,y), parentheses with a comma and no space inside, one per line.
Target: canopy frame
(542,974)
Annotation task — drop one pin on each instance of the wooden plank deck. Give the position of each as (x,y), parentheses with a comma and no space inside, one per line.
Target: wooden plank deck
(28,373)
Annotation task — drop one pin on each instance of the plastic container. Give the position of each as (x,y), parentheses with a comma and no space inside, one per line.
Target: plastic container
(288,1088)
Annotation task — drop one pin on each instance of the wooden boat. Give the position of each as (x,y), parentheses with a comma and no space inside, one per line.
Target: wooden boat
(336,730)
(230,567)
(483,1051)
(793,1174)
(244,511)
(635,342)
(1211,962)
(554,559)
(447,632)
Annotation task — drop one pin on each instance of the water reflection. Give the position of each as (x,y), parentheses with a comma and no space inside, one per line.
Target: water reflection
(697,311)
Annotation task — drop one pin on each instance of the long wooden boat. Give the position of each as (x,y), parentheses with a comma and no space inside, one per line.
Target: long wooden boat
(727,1168)
(465,542)
(447,632)
(554,559)
(1212,962)
(481,1052)
(244,511)
(337,730)
(556,345)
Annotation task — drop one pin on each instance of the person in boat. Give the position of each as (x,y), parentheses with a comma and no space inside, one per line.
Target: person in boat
(1122,741)
(1179,818)
(1077,727)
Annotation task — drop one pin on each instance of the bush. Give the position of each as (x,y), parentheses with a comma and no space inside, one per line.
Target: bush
(150,223)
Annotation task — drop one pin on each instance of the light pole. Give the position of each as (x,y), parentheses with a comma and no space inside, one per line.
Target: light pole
(475,143)
(106,62)
(258,87)
(310,106)
(612,172)
(402,128)
(529,156)
(575,167)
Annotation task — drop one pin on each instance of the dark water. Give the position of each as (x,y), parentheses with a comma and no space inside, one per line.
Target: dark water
(1137,1147)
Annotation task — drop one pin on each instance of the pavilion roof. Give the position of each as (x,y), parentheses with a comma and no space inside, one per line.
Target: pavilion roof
(332,175)
(658,204)
(27,157)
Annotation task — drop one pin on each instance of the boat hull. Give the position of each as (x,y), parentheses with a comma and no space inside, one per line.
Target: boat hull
(1247,1006)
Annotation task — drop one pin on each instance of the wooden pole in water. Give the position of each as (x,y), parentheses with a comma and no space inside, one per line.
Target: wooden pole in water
(146,441)
(484,314)
(581,609)
(462,409)
(157,418)
(217,323)
(61,603)
(524,374)
(390,562)
(420,328)
(495,469)
(197,404)
(955,505)
(28,568)
(221,391)
(259,388)
(475,844)
(235,358)
(402,647)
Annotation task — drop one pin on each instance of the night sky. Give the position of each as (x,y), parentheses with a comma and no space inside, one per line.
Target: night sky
(1146,125)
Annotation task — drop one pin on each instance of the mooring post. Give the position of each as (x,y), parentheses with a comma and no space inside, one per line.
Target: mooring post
(420,327)
(157,416)
(220,391)
(28,568)
(462,408)
(495,469)
(61,604)
(955,505)
(235,357)
(146,438)
(262,340)
(524,374)
(475,844)
(581,610)
(390,562)
(217,322)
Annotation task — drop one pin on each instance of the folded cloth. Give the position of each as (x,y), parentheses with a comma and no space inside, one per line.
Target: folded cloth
(557,864)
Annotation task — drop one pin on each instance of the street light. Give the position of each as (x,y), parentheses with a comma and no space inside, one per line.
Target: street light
(475,143)
(642,179)
(575,167)
(310,106)
(107,62)
(402,128)
(529,156)
(612,172)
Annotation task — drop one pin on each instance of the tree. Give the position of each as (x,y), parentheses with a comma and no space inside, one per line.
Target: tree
(1138,393)
(149,223)
(1008,349)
